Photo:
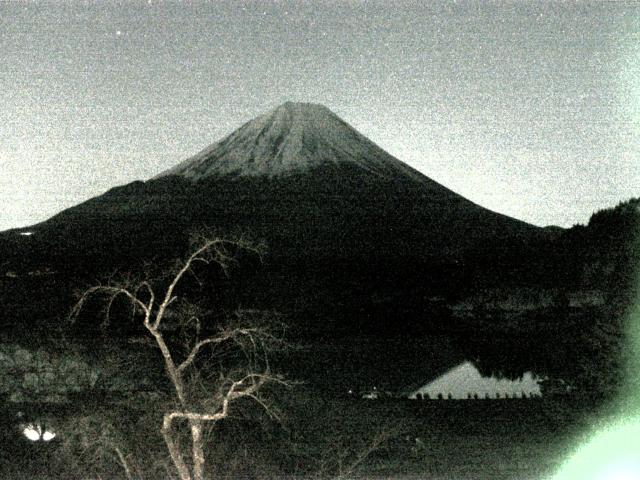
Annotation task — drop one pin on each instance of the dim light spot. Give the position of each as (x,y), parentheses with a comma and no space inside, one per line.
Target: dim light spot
(34,433)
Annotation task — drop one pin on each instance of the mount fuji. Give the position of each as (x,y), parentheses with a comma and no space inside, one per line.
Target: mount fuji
(291,139)
(349,228)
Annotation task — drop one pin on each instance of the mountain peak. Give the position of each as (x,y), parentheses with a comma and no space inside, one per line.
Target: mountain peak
(291,138)
(303,107)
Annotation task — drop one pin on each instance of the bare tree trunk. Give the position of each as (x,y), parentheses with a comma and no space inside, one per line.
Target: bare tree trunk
(143,299)
(123,462)
(197,450)
(174,450)
(170,366)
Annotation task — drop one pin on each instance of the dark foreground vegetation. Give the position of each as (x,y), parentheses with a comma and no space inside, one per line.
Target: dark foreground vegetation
(117,391)
(319,437)
(555,285)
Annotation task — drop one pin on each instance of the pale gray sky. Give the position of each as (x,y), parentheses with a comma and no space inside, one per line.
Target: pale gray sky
(531,109)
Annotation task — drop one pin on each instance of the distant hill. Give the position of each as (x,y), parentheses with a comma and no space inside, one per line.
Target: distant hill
(605,253)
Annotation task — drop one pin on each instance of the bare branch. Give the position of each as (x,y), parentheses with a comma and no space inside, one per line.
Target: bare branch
(252,339)
(111,292)
(194,352)
(202,254)
(375,444)
(245,387)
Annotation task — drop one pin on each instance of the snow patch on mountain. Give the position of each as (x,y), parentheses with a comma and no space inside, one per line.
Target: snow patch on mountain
(292,138)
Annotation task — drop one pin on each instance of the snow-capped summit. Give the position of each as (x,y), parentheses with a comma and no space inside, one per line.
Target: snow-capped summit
(293,137)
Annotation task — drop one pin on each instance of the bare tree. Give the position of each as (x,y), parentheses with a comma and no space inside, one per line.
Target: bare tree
(343,456)
(199,397)
(99,443)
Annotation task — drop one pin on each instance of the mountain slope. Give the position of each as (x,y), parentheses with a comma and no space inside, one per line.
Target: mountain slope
(292,138)
(303,180)
(354,236)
